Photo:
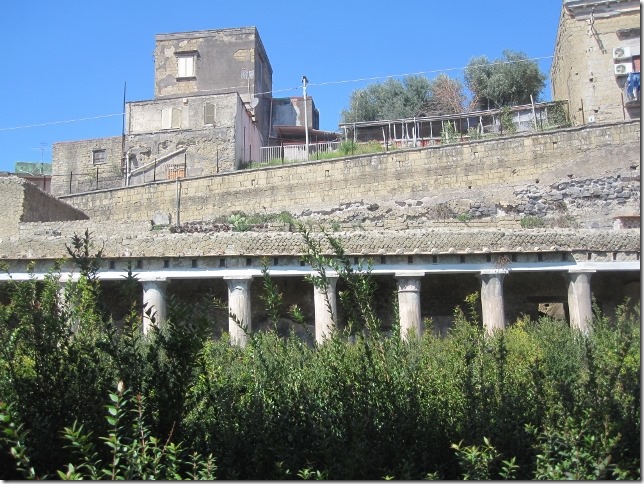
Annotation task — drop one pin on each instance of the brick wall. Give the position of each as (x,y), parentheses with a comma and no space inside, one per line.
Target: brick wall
(490,169)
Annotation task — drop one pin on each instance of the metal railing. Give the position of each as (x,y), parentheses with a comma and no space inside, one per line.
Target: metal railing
(157,168)
(295,152)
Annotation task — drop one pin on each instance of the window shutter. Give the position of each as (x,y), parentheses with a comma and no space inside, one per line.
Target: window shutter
(166,118)
(190,66)
(176,118)
(209,113)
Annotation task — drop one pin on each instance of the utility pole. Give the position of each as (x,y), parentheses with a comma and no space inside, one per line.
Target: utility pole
(305,81)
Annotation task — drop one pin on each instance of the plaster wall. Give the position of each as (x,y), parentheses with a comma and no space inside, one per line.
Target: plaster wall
(208,148)
(227,60)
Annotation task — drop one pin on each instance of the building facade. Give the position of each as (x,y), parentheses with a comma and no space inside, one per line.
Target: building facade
(596,66)
(211,113)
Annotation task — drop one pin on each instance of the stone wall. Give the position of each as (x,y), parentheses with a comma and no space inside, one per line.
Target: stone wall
(24,202)
(208,148)
(123,240)
(491,173)
(226,60)
(73,160)
(583,67)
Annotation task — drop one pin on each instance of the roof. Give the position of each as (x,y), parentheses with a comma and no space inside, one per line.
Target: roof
(297,132)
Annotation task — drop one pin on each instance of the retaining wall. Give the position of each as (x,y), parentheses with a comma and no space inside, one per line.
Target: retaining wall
(487,171)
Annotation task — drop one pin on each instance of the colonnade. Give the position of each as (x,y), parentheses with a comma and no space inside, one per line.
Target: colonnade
(408,286)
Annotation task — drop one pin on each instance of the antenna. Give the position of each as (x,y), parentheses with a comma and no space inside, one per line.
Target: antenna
(42,149)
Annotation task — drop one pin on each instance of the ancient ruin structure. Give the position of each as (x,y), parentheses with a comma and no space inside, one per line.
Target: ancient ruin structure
(536,222)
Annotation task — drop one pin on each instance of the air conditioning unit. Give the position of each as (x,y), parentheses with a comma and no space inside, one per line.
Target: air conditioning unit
(623,69)
(621,53)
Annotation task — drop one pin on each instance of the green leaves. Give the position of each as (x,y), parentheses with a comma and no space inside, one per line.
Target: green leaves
(508,81)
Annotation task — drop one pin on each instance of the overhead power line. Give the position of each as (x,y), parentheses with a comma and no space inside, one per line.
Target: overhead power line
(61,122)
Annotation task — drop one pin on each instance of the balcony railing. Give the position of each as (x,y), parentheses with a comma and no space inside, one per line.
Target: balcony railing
(295,153)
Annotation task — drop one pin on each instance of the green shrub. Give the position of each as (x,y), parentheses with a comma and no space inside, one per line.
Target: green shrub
(532,222)
(133,453)
(523,403)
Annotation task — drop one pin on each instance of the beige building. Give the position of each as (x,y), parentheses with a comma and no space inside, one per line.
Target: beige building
(597,60)
(210,114)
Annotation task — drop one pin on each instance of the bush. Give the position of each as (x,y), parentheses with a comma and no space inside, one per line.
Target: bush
(532,222)
(539,400)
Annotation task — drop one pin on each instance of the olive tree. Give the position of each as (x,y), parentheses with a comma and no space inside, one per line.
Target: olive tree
(504,82)
(413,96)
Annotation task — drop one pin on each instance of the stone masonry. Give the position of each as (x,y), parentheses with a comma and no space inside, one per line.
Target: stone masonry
(592,172)
(23,202)
(583,67)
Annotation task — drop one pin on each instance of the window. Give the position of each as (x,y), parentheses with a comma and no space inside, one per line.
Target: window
(170,118)
(208,114)
(186,65)
(98,157)
(636,63)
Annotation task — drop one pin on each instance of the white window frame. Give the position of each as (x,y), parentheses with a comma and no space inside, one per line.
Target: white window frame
(186,65)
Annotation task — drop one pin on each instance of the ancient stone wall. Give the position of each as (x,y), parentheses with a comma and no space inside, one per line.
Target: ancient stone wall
(495,177)
(24,202)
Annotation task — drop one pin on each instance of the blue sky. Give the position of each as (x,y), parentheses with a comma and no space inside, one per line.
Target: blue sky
(69,59)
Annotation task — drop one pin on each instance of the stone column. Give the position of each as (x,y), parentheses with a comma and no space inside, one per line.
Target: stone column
(239,308)
(492,299)
(579,299)
(409,303)
(154,302)
(326,309)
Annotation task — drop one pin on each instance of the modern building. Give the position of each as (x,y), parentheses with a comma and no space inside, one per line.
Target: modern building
(596,65)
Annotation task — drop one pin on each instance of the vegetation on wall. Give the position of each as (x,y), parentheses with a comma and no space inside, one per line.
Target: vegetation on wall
(538,400)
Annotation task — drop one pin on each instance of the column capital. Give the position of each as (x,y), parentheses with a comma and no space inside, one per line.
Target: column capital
(329,274)
(153,279)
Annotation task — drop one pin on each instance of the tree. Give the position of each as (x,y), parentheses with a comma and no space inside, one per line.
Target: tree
(446,96)
(414,96)
(504,82)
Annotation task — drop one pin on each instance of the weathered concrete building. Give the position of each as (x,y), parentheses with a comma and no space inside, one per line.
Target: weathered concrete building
(596,65)
(211,108)
(212,112)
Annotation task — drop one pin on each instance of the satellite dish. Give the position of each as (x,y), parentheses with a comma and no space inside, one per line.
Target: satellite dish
(253,102)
